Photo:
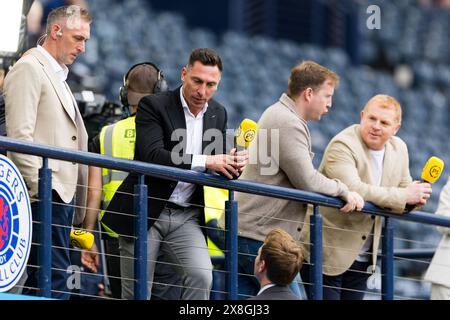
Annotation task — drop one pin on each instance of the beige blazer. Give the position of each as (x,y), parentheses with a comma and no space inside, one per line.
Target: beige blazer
(280,155)
(347,158)
(36,111)
(439,269)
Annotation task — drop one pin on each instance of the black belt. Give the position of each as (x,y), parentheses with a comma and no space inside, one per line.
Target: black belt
(172,205)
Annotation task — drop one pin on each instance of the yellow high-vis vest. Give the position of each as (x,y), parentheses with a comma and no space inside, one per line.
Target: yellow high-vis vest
(214,209)
(116,140)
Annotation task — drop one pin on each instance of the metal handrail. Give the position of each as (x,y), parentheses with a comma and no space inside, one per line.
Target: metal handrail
(176,174)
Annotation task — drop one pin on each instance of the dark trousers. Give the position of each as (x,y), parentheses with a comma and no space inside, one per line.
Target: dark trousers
(62,214)
(113,266)
(349,285)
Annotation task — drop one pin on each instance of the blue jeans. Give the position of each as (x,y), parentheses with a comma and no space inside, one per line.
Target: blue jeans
(248,285)
(62,214)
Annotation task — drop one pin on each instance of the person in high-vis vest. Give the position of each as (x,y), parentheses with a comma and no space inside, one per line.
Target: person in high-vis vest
(214,209)
(215,198)
(116,140)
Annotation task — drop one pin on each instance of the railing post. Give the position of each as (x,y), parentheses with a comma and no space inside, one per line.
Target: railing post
(231,255)
(44,227)
(140,244)
(316,255)
(387,261)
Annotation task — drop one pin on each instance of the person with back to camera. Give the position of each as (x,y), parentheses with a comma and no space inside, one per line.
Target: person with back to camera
(278,262)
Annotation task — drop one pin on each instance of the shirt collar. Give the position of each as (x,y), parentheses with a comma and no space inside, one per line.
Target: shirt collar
(186,108)
(378,152)
(288,102)
(61,70)
(267,286)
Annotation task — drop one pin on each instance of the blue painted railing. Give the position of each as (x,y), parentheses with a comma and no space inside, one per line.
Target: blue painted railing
(176,174)
(45,229)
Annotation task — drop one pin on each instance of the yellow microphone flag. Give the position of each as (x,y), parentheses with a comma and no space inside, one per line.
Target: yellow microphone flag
(432,170)
(246,133)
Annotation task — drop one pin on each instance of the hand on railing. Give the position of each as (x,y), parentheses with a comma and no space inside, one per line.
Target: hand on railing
(354,202)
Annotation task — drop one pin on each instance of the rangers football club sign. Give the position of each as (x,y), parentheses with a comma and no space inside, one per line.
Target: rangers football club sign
(15,224)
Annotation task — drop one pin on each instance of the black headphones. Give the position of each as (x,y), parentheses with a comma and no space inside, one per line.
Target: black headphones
(160,85)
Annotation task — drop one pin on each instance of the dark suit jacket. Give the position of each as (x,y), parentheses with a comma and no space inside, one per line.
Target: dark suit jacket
(276,293)
(158,116)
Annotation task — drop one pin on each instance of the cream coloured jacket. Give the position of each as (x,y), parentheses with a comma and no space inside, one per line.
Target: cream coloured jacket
(347,158)
(439,269)
(37,110)
(281,155)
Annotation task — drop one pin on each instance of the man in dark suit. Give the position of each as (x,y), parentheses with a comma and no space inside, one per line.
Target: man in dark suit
(278,262)
(184,128)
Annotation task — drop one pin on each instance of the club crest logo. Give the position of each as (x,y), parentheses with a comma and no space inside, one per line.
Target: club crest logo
(435,171)
(15,224)
(249,135)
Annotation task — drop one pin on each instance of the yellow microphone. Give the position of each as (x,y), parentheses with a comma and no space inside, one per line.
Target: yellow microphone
(246,133)
(81,239)
(430,173)
(432,170)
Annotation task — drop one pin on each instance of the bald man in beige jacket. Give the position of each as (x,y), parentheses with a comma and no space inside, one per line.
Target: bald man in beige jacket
(370,159)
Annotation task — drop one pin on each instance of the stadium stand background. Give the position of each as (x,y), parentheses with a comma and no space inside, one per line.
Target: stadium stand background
(408,58)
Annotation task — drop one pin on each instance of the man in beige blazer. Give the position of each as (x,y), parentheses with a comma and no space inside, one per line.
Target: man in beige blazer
(281,155)
(41,108)
(438,272)
(370,159)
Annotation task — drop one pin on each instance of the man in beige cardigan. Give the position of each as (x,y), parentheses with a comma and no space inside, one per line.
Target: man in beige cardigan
(40,108)
(368,158)
(281,155)
(438,272)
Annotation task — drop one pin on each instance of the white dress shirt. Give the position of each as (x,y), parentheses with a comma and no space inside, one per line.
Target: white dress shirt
(267,286)
(62,72)
(183,192)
